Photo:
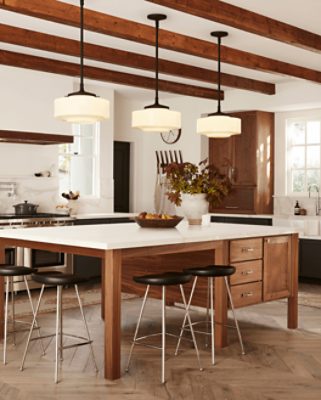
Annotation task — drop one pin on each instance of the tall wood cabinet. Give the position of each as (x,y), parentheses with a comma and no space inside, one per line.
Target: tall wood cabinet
(248,160)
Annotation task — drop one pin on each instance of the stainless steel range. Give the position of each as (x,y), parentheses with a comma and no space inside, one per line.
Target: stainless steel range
(45,260)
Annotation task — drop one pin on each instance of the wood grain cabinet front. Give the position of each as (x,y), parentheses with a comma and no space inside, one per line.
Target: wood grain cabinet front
(246,249)
(277,267)
(248,271)
(247,294)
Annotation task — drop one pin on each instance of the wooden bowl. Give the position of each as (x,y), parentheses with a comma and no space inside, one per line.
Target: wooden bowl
(158,223)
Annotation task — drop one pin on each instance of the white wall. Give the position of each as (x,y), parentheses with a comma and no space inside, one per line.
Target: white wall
(144,145)
(26,104)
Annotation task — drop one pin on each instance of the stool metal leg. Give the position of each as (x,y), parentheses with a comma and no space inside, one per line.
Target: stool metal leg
(207,312)
(6,321)
(234,315)
(212,318)
(60,327)
(163,332)
(31,328)
(86,326)
(33,313)
(13,312)
(58,331)
(185,316)
(191,327)
(137,327)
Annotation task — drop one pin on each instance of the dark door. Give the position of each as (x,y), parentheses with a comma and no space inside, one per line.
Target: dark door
(121,176)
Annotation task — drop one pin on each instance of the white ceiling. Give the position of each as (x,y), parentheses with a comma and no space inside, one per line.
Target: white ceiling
(303,14)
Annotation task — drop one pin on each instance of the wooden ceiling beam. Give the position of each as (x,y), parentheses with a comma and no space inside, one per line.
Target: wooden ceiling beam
(56,44)
(65,68)
(249,21)
(95,21)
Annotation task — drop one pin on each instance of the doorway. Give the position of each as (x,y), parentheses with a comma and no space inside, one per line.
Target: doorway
(121,176)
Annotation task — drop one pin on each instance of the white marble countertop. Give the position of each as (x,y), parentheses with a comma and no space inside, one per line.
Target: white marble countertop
(117,236)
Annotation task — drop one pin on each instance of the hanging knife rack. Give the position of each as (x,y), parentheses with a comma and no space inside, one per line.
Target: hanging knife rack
(165,157)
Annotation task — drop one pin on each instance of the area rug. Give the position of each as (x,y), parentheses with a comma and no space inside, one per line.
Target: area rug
(90,294)
(309,295)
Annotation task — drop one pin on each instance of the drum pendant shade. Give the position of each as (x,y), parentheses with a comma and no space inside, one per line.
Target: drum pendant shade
(81,107)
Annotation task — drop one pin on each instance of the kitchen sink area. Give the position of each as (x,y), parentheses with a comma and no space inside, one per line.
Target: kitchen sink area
(307,225)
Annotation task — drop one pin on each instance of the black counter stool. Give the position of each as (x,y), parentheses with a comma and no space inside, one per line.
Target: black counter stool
(9,272)
(211,272)
(60,280)
(163,280)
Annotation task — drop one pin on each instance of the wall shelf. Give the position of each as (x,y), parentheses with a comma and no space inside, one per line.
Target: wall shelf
(33,137)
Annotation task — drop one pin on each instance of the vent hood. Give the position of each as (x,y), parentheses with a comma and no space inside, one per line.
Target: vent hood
(34,138)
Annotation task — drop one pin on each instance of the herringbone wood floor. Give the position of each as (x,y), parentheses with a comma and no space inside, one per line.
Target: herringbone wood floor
(279,365)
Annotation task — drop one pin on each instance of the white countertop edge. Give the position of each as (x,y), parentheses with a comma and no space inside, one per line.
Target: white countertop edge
(124,236)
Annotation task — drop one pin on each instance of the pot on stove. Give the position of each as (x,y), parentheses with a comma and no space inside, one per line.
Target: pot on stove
(25,208)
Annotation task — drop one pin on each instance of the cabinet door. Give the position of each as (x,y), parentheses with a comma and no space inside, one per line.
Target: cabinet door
(220,155)
(310,258)
(239,199)
(276,267)
(244,150)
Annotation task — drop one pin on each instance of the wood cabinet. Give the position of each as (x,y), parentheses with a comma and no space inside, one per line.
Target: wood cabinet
(263,269)
(247,159)
(246,255)
(277,267)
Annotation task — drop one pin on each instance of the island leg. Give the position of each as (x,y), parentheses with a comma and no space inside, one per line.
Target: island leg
(112,277)
(102,290)
(293,299)
(221,258)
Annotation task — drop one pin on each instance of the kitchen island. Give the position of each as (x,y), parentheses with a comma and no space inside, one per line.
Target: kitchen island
(271,254)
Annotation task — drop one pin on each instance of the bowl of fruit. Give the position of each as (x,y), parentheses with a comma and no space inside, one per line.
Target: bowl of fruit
(149,220)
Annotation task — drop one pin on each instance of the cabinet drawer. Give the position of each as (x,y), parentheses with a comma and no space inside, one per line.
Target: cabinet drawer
(249,293)
(248,271)
(247,249)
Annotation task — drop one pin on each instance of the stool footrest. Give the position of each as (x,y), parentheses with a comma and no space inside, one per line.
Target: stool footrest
(137,340)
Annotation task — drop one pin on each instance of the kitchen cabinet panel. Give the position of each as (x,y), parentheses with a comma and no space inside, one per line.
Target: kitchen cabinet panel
(248,160)
(310,259)
(277,267)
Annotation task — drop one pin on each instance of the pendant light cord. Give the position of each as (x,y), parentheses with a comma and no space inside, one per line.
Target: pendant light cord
(219,74)
(82,88)
(157,64)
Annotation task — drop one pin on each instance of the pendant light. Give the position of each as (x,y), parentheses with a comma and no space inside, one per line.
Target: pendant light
(156,117)
(81,107)
(218,124)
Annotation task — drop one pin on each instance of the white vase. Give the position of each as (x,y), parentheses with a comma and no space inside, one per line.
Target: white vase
(73,207)
(193,207)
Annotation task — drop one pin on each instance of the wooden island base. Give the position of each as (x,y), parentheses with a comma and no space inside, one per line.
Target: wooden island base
(266,263)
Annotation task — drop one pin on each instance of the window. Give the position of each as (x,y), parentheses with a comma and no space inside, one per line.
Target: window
(303,154)
(78,162)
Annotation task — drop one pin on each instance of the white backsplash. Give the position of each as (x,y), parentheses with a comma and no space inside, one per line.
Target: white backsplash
(42,191)
(284,205)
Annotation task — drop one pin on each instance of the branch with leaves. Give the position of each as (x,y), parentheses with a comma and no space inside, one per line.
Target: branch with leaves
(191,178)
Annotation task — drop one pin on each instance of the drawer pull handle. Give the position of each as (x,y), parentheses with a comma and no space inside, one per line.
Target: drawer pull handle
(248,272)
(247,249)
(247,294)
(232,207)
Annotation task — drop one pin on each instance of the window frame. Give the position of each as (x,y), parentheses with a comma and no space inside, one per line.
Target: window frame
(76,129)
(289,146)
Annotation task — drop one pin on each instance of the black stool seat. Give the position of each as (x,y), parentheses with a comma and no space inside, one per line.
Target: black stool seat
(211,271)
(57,279)
(14,270)
(166,279)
